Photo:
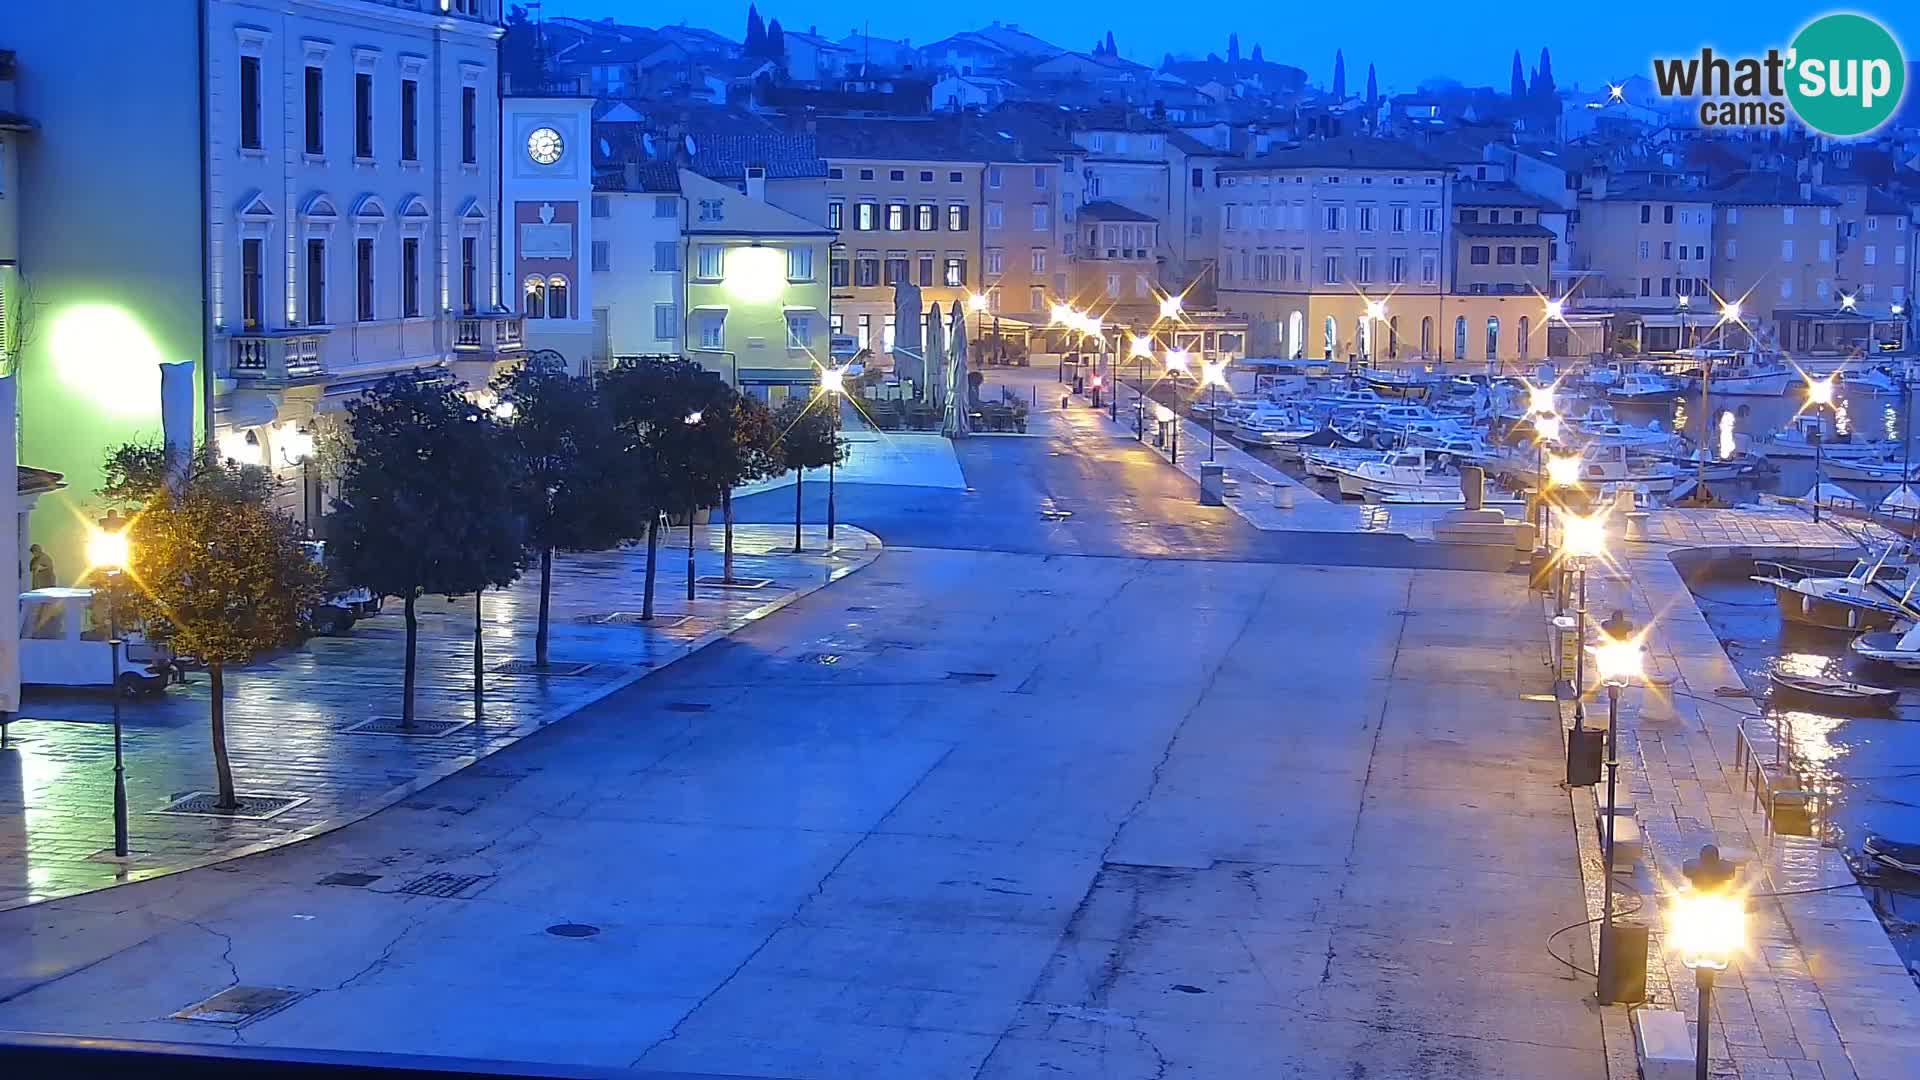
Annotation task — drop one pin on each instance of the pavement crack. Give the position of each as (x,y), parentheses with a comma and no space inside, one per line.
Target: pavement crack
(226,951)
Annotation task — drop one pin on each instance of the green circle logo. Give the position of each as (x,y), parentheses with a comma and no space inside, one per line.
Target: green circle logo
(1845,75)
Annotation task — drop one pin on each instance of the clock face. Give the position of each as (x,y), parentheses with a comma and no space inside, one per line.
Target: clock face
(544,145)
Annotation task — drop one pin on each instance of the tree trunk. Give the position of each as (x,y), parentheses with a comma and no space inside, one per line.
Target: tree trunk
(726,512)
(406,685)
(546,592)
(653,547)
(222,768)
(479,683)
(799,478)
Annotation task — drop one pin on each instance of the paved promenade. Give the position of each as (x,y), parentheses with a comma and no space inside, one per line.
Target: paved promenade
(1820,991)
(287,714)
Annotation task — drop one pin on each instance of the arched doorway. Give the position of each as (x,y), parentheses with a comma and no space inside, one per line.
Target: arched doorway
(1393,337)
(1426,335)
(1332,338)
(1460,338)
(1296,334)
(1525,325)
(1493,337)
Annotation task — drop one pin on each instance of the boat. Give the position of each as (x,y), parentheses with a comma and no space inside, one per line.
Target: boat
(1323,461)
(1649,439)
(1399,384)
(1892,854)
(1896,648)
(1798,441)
(1873,596)
(1827,693)
(1873,471)
(1741,374)
(1872,381)
(1611,464)
(1352,398)
(1644,386)
(1596,412)
(1717,469)
(1413,471)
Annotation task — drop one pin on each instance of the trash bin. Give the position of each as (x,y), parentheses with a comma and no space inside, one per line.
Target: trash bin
(1212,484)
(1283,496)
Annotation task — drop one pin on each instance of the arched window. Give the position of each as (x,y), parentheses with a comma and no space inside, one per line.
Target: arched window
(536,302)
(1332,341)
(1393,336)
(1296,335)
(1363,336)
(1524,326)
(556,297)
(1493,337)
(1460,338)
(1426,335)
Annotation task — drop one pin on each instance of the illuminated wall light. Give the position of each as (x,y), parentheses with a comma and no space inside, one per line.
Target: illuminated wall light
(104,353)
(756,274)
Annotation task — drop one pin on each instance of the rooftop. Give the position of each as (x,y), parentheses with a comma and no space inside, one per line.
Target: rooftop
(1502,230)
(726,156)
(1108,210)
(1474,193)
(1768,189)
(1341,153)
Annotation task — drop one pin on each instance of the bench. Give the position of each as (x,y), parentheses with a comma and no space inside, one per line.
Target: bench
(1662,1044)
(1623,803)
(1627,845)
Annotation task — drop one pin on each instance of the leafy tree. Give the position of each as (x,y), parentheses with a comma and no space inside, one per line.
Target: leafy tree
(756,43)
(776,42)
(809,439)
(1519,84)
(1111,49)
(424,506)
(755,456)
(222,576)
(673,460)
(1233,48)
(1373,95)
(1339,75)
(1257,57)
(569,491)
(1543,88)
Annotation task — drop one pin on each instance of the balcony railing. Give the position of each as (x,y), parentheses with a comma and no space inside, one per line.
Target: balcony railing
(277,357)
(1099,251)
(490,334)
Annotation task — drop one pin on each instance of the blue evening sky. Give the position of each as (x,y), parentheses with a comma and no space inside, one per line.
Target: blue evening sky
(1591,42)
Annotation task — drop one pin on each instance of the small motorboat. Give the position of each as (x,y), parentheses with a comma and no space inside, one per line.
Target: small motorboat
(1894,648)
(1892,854)
(1873,596)
(1828,693)
(1645,386)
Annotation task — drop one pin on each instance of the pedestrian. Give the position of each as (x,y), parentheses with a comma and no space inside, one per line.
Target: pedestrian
(39,568)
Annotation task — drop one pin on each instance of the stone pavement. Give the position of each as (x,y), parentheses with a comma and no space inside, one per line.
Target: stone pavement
(286,714)
(1820,991)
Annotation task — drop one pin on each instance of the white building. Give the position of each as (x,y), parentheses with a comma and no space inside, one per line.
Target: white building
(546,198)
(636,257)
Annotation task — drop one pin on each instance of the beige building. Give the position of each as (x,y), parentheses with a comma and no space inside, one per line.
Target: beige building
(1874,244)
(1645,246)
(1115,266)
(1022,262)
(1499,245)
(1776,240)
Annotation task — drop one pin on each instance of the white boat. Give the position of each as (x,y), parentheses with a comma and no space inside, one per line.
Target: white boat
(1739,374)
(1875,595)
(1649,439)
(1409,472)
(1322,461)
(1353,398)
(1611,464)
(1900,649)
(1797,441)
(1596,412)
(1871,380)
(1871,470)
(1270,425)
(1644,386)
(1396,418)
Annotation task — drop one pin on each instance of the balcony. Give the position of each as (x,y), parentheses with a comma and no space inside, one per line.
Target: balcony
(492,335)
(1096,251)
(277,358)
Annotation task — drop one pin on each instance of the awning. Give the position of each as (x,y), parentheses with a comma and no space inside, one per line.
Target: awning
(805,376)
(245,409)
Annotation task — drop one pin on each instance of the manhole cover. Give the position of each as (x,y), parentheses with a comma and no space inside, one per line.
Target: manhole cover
(252,807)
(449,886)
(351,881)
(238,1005)
(970,676)
(572,930)
(718,582)
(825,659)
(862,608)
(420,728)
(558,669)
(688,706)
(634,618)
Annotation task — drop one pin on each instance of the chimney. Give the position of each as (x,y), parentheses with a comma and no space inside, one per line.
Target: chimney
(757,183)
(632,170)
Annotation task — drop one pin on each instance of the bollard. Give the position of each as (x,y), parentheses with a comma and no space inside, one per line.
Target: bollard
(1473,486)
(1283,496)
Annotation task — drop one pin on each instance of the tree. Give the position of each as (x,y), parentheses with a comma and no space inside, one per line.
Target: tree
(570,491)
(809,439)
(1166,62)
(1543,89)
(672,459)
(223,576)
(1519,87)
(425,502)
(1373,96)
(1233,48)
(756,456)
(1258,57)
(1111,50)
(776,42)
(1339,75)
(756,43)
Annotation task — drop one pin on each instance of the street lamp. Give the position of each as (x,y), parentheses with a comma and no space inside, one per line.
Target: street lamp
(1170,306)
(1141,350)
(1819,396)
(833,383)
(1376,310)
(1686,307)
(693,420)
(1213,374)
(1582,537)
(1706,924)
(1540,401)
(1169,420)
(1729,313)
(110,551)
(1616,659)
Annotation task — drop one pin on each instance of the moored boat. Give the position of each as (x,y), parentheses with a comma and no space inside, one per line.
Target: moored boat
(1822,692)
(1874,595)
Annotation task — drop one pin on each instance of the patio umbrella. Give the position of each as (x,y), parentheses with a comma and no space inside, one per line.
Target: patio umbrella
(909,359)
(959,397)
(932,390)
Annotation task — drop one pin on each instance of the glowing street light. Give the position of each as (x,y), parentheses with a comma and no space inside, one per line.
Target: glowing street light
(1166,418)
(833,384)
(108,550)
(111,551)
(1170,307)
(1556,309)
(1059,315)
(1140,346)
(1540,401)
(1178,361)
(1376,309)
(977,302)
(1706,925)
(1616,658)
(1820,391)
(1547,427)
(1730,311)
(1847,302)
(1819,396)
(1213,375)
(1584,536)
(833,380)
(1563,470)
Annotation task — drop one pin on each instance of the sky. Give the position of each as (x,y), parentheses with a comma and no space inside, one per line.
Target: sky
(1592,43)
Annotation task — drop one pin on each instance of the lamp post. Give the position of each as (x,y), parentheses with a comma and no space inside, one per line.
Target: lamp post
(833,383)
(1819,396)
(1685,304)
(1214,374)
(1376,310)
(693,497)
(1563,471)
(1617,659)
(1140,349)
(1169,421)
(1582,537)
(1707,924)
(110,551)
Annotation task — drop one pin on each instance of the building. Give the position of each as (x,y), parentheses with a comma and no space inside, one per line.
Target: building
(1776,238)
(1023,265)
(1500,245)
(637,259)
(811,58)
(546,202)
(315,208)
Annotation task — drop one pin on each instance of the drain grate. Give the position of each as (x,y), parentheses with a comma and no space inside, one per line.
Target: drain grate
(572,930)
(862,607)
(252,807)
(718,582)
(557,669)
(632,618)
(825,659)
(238,1005)
(970,676)
(421,729)
(351,881)
(688,706)
(1056,515)
(446,886)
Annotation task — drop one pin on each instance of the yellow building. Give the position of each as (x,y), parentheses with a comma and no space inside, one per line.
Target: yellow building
(757,303)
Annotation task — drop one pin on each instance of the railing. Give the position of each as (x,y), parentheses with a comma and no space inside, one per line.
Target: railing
(276,357)
(1787,802)
(494,333)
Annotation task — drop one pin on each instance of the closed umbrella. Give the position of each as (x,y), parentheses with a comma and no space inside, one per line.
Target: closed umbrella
(932,390)
(909,359)
(959,396)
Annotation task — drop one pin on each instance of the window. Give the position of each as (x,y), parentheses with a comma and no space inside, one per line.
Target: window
(1646,286)
(896,217)
(926,176)
(836,214)
(1399,219)
(1732,248)
(864,217)
(956,217)
(556,297)
(955,178)
(1478,254)
(250,102)
(536,303)
(1393,336)
(799,330)
(925,218)
(1330,340)
(252,289)
(1493,217)
(713,209)
(665,206)
(1039,262)
(836,173)
(1469,217)
(712,264)
(1113,286)
(1646,249)
(993,176)
(1869,254)
(996,261)
(925,266)
(1786,249)
(1667,214)
(1786,215)
(1036,297)
(1504,255)
(1363,266)
(1493,337)
(666,322)
(1429,267)
(363,115)
(316,282)
(410,277)
(363,273)
(1460,337)
(1366,219)
(799,264)
(1336,218)
(897,175)
(1646,213)
(1525,328)
(1666,286)
(956,272)
(602,256)
(666,255)
(1042,216)
(1529,256)
(1786,288)
(996,215)
(1397,269)
(896,268)
(469,124)
(1700,251)
(469,272)
(1039,183)
(1666,249)
(865,335)
(866,269)
(1430,219)
(1733,215)
(316,110)
(409,120)
(1426,334)
(866,174)
(840,271)
(713,329)
(1331,269)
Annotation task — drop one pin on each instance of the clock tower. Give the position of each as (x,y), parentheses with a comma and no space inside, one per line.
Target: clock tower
(547,190)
